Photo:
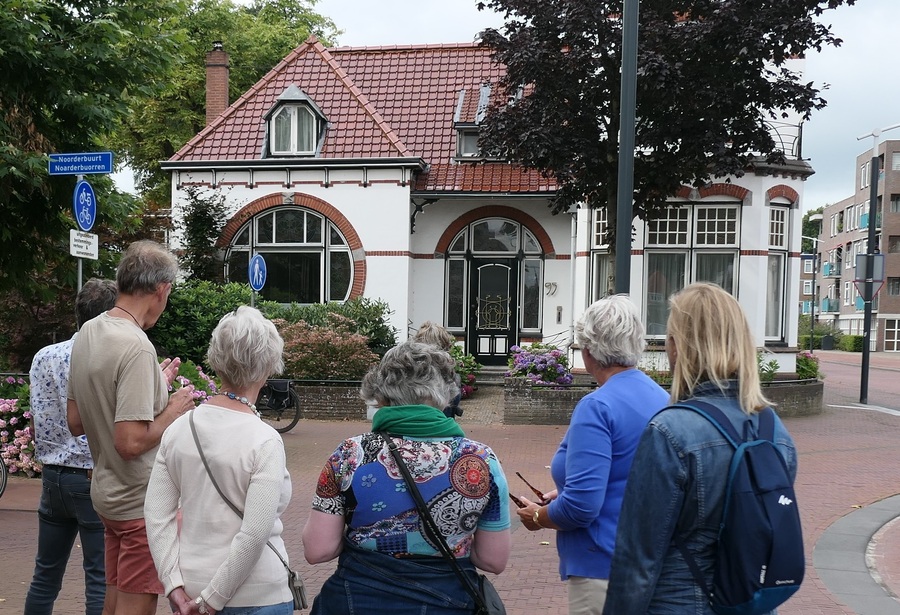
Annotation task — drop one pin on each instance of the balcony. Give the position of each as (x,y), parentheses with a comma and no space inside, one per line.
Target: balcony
(864,221)
(830,305)
(831,270)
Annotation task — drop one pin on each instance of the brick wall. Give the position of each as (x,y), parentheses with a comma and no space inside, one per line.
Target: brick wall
(216,83)
(524,404)
(330,403)
(794,399)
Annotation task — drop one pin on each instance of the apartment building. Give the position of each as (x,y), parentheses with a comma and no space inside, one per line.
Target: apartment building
(844,236)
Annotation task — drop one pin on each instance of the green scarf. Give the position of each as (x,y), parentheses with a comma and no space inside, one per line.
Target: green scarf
(415,422)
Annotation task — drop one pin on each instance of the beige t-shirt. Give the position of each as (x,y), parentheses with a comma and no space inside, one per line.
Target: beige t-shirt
(115,376)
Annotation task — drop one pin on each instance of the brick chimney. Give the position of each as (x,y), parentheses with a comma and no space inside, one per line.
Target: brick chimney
(216,82)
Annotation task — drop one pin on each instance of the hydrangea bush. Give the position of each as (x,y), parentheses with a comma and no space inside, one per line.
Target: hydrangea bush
(540,363)
(467,368)
(16,434)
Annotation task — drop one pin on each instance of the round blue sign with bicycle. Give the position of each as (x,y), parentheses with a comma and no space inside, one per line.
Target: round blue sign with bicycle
(257,272)
(84,206)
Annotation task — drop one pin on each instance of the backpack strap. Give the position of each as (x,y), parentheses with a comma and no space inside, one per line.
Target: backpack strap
(726,428)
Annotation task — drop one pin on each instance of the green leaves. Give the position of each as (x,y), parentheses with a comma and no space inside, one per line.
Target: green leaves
(711,77)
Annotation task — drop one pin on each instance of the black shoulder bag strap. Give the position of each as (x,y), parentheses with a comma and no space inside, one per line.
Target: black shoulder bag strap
(236,510)
(429,525)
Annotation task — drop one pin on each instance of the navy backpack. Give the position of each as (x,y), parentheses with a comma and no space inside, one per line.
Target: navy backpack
(759,556)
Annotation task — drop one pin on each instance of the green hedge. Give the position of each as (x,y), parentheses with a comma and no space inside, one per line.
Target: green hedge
(803,342)
(851,343)
(195,308)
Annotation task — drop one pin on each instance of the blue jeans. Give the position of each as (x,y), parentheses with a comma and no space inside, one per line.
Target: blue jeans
(370,583)
(64,512)
(285,608)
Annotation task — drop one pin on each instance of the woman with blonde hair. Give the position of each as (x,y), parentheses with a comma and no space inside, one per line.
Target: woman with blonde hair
(674,498)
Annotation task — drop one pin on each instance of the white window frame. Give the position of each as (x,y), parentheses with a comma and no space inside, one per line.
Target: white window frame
(807,287)
(778,217)
(295,148)
(807,265)
(465,139)
(892,334)
(847,294)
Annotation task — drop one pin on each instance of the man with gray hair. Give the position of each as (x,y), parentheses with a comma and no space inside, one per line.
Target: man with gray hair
(118,396)
(65,509)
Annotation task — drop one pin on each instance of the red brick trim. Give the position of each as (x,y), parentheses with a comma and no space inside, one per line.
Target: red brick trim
(563,257)
(637,252)
(389,253)
(684,192)
(495,211)
(724,189)
(754,252)
(310,202)
(782,191)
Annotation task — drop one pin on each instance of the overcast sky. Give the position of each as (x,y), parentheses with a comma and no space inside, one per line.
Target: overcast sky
(864,92)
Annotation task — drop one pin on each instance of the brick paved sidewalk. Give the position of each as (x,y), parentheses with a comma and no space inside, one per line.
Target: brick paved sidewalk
(849,458)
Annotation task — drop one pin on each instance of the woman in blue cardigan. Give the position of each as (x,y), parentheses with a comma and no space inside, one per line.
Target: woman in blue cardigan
(594,457)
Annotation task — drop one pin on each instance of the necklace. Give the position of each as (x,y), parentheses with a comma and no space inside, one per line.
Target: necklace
(240,399)
(130,314)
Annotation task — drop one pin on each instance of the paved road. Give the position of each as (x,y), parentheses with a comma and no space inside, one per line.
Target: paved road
(849,460)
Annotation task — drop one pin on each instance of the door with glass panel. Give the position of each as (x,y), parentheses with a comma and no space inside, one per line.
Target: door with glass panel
(493,322)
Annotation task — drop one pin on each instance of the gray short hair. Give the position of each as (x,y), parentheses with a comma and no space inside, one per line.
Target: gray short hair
(144,266)
(94,298)
(412,373)
(611,330)
(434,334)
(245,348)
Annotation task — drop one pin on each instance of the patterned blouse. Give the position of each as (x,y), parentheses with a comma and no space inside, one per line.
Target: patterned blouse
(49,377)
(460,480)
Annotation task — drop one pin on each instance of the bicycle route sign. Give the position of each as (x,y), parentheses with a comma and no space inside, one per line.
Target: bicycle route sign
(83,163)
(84,206)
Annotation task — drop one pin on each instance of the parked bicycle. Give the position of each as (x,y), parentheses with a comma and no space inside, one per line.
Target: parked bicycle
(278,405)
(4,477)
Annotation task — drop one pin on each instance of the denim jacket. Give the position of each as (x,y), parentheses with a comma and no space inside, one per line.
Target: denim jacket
(675,493)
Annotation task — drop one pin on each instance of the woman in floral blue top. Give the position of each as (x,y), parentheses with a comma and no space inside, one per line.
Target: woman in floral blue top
(363,513)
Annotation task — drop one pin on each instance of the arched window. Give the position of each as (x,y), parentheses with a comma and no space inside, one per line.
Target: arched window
(307,258)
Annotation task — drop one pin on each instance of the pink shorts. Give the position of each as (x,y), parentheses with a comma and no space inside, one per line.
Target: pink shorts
(129,564)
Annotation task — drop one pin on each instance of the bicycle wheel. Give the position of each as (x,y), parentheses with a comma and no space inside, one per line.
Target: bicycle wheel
(283,419)
(4,477)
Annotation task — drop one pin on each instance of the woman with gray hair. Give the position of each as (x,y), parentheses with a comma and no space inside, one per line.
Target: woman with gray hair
(364,514)
(220,561)
(592,462)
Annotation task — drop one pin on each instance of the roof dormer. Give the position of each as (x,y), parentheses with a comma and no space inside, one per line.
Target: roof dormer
(295,126)
(471,108)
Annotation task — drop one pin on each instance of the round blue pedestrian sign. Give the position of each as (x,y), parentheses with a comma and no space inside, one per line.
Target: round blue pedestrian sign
(257,272)
(84,206)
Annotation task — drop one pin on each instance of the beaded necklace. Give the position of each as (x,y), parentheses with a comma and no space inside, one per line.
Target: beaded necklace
(240,399)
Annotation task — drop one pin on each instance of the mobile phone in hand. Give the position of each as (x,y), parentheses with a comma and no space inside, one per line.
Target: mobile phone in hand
(517,501)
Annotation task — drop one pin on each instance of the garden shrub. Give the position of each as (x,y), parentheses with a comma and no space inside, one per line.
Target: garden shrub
(851,343)
(16,434)
(195,308)
(767,369)
(467,368)
(540,363)
(329,352)
(807,366)
(367,317)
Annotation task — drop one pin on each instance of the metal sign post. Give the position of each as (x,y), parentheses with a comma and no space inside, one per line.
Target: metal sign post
(84,201)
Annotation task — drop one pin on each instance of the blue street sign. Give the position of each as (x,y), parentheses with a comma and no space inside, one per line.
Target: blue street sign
(84,206)
(81,164)
(257,272)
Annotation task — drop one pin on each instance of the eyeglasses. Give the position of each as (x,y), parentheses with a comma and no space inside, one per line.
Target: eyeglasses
(534,489)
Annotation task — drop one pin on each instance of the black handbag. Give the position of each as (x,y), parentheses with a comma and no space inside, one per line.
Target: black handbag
(295,582)
(487,600)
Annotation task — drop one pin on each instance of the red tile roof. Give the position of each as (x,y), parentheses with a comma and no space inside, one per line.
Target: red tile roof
(381,102)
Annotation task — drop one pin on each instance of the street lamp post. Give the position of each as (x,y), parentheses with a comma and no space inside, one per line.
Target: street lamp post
(869,288)
(815,260)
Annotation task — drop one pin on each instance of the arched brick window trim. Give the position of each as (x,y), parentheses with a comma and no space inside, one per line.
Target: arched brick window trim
(784,192)
(496,211)
(310,202)
(720,189)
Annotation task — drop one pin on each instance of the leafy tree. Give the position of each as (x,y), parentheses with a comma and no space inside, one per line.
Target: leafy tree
(256,38)
(712,78)
(68,71)
(811,228)
(204,218)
